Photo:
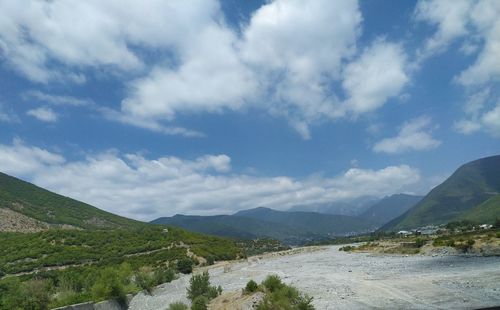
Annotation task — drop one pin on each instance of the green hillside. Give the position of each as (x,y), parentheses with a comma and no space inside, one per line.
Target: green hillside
(485,213)
(469,186)
(289,227)
(48,207)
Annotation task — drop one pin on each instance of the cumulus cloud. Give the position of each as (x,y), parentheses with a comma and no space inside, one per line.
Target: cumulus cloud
(481,114)
(43,114)
(455,19)
(135,186)
(34,34)
(376,76)
(450,19)
(284,60)
(414,135)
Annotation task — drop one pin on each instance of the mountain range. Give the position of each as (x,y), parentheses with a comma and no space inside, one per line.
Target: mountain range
(472,192)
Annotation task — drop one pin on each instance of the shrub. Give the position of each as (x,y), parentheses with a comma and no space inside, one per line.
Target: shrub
(109,285)
(199,285)
(282,296)
(251,287)
(185,265)
(272,283)
(200,303)
(419,242)
(178,306)
(145,280)
(164,275)
(347,248)
(210,260)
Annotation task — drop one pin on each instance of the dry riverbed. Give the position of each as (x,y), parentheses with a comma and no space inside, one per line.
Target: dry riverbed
(340,280)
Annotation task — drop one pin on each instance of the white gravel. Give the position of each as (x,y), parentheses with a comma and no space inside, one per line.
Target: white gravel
(339,280)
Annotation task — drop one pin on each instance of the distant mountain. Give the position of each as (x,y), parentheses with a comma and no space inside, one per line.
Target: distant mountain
(351,207)
(26,207)
(290,227)
(468,187)
(390,207)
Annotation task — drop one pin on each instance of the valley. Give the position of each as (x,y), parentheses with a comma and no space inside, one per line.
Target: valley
(340,280)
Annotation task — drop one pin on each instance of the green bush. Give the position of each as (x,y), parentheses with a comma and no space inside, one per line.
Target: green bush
(109,285)
(251,287)
(200,303)
(272,283)
(199,285)
(145,280)
(282,296)
(178,306)
(185,265)
(347,248)
(164,275)
(419,242)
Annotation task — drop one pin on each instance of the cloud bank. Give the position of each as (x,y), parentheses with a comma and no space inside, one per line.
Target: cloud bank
(135,186)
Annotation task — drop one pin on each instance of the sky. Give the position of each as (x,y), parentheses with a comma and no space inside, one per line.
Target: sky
(153,108)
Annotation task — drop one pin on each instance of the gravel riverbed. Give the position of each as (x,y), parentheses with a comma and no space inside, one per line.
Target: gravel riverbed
(340,280)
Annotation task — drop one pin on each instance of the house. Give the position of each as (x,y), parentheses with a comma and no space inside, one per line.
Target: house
(404,233)
(485,226)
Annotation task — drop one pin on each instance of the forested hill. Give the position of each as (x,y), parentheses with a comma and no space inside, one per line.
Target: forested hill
(468,194)
(26,207)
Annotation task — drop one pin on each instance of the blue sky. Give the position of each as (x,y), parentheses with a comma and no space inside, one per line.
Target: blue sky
(161,107)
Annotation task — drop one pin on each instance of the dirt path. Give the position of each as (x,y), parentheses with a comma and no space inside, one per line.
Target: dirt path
(339,280)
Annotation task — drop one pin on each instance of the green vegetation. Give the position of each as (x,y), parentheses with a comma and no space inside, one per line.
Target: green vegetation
(199,286)
(473,184)
(260,246)
(288,227)
(282,296)
(485,213)
(48,207)
(185,265)
(74,266)
(251,286)
(178,306)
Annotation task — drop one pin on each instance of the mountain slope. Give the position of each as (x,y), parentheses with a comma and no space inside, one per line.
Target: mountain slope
(309,221)
(26,203)
(352,207)
(390,207)
(469,186)
(486,212)
(228,226)
(290,227)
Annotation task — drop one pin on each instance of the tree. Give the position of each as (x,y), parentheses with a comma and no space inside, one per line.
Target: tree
(199,285)
(185,265)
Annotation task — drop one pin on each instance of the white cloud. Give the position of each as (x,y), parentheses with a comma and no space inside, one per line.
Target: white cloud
(414,135)
(284,61)
(91,33)
(481,114)
(43,114)
(376,76)
(7,116)
(138,187)
(56,99)
(450,18)
(455,19)
(491,121)
(485,18)
(23,160)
